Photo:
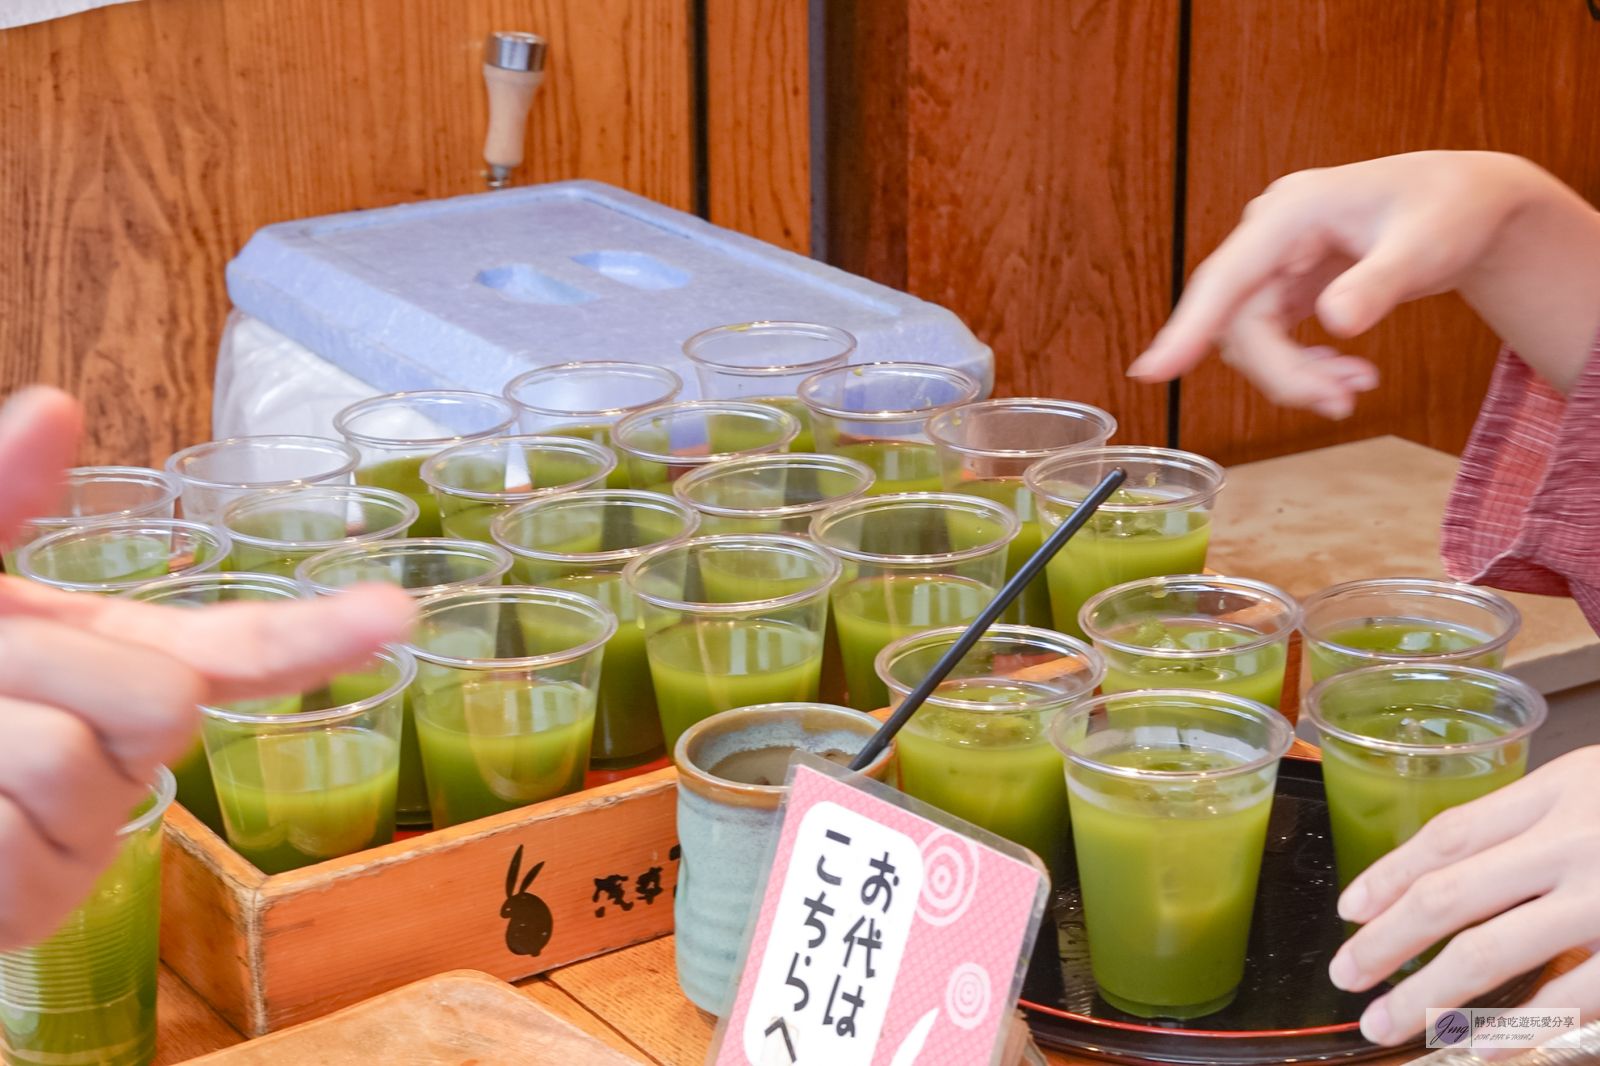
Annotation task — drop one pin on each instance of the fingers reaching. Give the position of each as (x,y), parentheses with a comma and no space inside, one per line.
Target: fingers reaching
(241,650)
(39,429)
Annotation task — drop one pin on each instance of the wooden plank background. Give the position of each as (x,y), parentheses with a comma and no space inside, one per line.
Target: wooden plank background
(143,143)
(1280,87)
(1014,163)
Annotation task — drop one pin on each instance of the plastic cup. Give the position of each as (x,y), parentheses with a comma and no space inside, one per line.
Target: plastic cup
(730,622)
(397,433)
(1222,634)
(771,493)
(910,562)
(662,444)
(196,792)
(220,471)
(112,557)
(726,824)
(1170,792)
(1406,620)
(312,777)
(585,399)
(876,412)
(273,532)
(1400,743)
(979,747)
(87,995)
(504,699)
(473,482)
(765,362)
(1158,523)
(581,542)
(985,448)
(423,566)
(101,494)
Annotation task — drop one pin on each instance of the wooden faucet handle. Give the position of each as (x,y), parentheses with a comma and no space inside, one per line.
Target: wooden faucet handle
(510,99)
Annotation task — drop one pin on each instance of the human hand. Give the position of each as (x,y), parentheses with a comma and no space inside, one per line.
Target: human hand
(95,691)
(1350,243)
(1524,861)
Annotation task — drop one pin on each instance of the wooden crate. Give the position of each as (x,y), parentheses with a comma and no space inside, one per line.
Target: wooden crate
(268,952)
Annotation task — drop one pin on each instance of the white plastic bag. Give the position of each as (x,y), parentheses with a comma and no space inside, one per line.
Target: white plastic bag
(267,383)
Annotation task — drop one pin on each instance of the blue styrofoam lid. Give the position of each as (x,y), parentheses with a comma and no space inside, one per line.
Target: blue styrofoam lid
(471,291)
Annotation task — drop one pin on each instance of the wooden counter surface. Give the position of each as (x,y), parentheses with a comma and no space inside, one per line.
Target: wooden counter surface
(628,999)
(1373,509)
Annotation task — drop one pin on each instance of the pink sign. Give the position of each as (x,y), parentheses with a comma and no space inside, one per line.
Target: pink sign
(885,938)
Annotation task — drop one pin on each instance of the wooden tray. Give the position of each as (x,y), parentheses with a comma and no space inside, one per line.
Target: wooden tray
(594,871)
(455,1018)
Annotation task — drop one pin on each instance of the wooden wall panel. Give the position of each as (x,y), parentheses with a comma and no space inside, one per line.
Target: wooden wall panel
(1038,154)
(758,119)
(141,145)
(1279,87)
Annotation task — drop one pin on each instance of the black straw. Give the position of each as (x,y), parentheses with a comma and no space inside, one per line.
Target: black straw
(987,617)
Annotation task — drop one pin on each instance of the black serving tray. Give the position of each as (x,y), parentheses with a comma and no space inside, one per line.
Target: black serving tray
(1286,1009)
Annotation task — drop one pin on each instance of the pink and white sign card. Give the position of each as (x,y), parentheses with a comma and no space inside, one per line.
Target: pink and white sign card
(886,937)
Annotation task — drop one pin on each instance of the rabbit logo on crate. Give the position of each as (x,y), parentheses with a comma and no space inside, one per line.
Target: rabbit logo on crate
(529,922)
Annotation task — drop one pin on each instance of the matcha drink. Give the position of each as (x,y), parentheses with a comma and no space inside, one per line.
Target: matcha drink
(1170,792)
(87,995)
(1032,608)
(404,475)
(491,746)
(100,494)
(1168,896)
(663,443)
(995,769)
(295,799)
(115,557)
(473,483)
(897,466)
(765,362)
(1402,639)
(1256,674)
(397,433)
(1113,548)
(274,532)
(872,612)
(704,667)
(1158,523)
(770,493)
(586,398)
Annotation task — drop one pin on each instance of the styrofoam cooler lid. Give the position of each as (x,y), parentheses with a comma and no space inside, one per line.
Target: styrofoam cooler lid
(471,291)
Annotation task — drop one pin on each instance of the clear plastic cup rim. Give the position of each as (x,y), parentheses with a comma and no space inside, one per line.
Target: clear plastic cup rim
(1086,412)
(1127,453)
(845,340)
(1280,632)
(165,789)
(352,459)
(1280,733)
(1524,692)
(130,527)
(790,429)
(975,505)
(165,586)
(404,505)
(949,374)
(601,366)
(397,654)
(779,542)
(342,420)
(685,485)
(602,455)
(1494,604)
(499,558)
(634,497)
(1044,638)
(469,597)
(171,489)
